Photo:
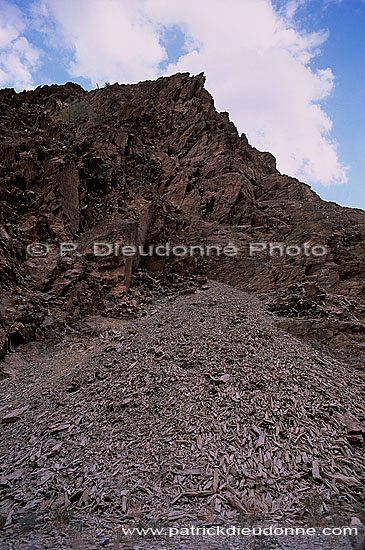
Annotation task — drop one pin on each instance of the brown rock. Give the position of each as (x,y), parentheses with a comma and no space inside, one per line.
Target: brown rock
(14,415)
(152,163)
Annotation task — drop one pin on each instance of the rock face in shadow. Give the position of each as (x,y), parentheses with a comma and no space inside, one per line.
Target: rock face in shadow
(147,164)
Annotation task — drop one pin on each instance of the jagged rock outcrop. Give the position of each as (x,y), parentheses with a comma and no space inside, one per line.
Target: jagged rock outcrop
(149,163)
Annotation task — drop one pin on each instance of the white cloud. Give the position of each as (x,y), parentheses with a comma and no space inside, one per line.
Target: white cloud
(112,40)
(257,63)
(258,68)
(18,58)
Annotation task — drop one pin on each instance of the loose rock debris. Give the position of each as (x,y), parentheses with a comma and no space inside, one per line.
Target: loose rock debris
(203,412)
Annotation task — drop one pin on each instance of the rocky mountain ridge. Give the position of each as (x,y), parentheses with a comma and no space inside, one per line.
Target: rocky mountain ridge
(147,164)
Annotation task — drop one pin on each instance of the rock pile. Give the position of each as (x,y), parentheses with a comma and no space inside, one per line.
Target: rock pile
(201,410)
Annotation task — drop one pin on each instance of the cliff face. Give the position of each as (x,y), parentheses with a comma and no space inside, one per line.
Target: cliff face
(152,163)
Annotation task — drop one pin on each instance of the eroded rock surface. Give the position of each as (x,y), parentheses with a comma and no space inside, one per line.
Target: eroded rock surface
(149,163)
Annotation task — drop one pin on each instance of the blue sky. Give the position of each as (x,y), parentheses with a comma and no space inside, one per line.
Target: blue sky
(344,52)
(290,73)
